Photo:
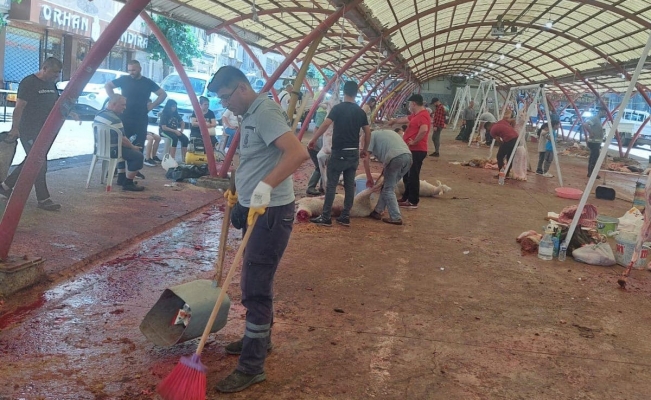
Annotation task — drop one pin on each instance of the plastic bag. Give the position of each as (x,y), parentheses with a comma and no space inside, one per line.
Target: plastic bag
(631,221)
(168,162)
(595,254)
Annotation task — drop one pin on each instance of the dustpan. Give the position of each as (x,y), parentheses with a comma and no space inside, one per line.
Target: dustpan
(162,326)
(158,325)
(604,191)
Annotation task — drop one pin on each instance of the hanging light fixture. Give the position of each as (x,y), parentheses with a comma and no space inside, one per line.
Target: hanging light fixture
(501,56)
(490,65)
(360,39)
(549,25)
(518,45)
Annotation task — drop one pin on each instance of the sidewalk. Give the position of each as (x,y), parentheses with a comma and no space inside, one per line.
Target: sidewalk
(93,223)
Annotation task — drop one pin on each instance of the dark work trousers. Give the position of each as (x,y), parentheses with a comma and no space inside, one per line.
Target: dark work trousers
(261,258)
(316,175)
(136,125)
(345,161)
(412,178)
(505,151)
(436,138)
(40,185)
(468,129)
(595,148)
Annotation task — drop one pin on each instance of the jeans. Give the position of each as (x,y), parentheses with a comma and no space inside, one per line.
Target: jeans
(40,185)
(595,149)
(134,159)
(316,175)
(468,130)
(230,132)
(412,178)
(346,162)
(393,171)
(436,138)
(506,149)
(545,159)
(261,258)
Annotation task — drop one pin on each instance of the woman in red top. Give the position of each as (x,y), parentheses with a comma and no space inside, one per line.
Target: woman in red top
(419,123)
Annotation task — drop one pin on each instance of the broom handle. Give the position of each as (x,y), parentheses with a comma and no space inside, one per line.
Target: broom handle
(227,282)
(226,223)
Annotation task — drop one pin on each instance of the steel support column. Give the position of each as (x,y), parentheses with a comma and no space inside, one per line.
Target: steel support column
(301,76)
(255,59)
(37,157)
(321,29)
(327,87)
(194,100)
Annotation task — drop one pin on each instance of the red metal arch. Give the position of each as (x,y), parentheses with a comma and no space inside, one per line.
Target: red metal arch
(334,35)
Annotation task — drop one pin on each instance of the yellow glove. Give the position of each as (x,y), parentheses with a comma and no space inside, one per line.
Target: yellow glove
(231,198)
(253,212)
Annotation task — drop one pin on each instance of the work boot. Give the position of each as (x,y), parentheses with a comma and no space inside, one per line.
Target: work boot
(392,221)
(375,215)
(48,205)
(313,192)
(345,221)
(130,186)
(238,381)
(321,221)
(235,348)
(140,175)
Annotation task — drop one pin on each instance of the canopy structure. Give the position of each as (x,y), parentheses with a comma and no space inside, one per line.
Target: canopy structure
(515,42)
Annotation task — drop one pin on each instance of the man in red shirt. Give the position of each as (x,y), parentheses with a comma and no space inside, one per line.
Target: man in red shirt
(438,121)
(503,132)
(419,123)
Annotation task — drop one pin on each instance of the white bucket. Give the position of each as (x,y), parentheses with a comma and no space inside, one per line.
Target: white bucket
(624,251)
(360,185)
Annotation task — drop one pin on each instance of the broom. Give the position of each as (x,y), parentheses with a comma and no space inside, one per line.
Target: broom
(187,381)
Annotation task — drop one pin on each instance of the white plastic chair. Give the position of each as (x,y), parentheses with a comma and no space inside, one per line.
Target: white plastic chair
(102,135)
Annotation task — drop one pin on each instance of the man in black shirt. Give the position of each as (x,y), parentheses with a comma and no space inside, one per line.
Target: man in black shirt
(37,94)
(136,88)
(348,119)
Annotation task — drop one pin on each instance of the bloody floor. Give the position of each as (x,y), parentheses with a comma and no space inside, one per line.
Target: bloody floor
(421,318)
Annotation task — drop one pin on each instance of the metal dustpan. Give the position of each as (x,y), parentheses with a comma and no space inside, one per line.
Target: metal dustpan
(183,311)
(159,323)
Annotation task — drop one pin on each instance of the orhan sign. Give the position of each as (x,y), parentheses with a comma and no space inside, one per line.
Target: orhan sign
(69,21)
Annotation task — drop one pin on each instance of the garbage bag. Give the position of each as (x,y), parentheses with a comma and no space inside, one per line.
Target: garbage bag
(187,171)
(595,254)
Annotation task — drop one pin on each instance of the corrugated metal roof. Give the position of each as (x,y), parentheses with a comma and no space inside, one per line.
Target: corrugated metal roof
(447,37)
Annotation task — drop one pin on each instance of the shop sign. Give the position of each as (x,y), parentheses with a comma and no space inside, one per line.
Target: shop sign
(64,20)
(133,40)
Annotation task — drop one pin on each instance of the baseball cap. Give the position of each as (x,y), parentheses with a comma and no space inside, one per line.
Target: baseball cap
(416,98)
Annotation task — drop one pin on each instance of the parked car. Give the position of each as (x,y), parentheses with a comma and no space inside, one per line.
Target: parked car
(569,115)
(175,89)
(94,94)
(630,124)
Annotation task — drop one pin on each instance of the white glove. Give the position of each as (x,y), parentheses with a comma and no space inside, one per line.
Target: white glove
(261,196)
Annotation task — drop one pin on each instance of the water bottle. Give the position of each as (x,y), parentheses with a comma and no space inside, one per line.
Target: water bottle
(191,147)
(562,253)
(556,239)
(502,176)
(546,247)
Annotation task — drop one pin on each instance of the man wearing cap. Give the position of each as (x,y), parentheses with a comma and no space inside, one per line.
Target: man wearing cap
(438,122)
(347,119)
(419,123)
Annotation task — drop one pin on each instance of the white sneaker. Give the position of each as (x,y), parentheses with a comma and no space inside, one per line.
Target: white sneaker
(548,175)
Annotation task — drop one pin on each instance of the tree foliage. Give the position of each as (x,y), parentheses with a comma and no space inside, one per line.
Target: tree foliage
(180,37)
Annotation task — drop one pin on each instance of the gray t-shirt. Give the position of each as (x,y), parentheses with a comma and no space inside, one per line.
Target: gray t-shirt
(487,117)
(262,124)
(469,114)
(386,145)
(596,130)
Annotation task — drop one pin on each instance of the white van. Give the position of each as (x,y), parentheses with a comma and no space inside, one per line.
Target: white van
(175,89)
(630,124)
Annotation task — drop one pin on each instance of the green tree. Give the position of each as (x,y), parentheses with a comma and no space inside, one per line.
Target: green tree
(180,37)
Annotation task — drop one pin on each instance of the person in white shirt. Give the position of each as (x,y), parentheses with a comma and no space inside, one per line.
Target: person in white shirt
(231,123)
(285,95)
